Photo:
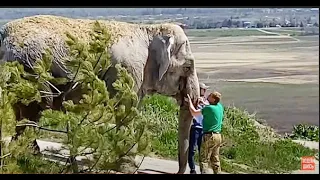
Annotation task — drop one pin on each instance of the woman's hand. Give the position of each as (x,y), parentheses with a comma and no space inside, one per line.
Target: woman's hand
(193,111)
(189,98)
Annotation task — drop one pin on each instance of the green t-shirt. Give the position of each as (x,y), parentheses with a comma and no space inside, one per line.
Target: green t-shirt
(212,118)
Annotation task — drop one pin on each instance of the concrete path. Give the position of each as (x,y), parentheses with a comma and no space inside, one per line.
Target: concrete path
(160,166)
(149,165)
(152,165)
(309,144)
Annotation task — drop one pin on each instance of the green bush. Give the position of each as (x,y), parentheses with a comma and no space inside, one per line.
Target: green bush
(306,132)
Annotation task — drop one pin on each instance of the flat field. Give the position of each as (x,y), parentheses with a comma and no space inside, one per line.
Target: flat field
(274,75)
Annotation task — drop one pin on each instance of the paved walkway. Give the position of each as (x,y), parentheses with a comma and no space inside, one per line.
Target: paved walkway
(160,166)
(151,165)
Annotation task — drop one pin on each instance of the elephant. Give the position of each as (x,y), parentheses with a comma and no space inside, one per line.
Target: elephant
(158,56)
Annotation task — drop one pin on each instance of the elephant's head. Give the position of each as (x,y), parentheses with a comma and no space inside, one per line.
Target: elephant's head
(170,70)
(171,64)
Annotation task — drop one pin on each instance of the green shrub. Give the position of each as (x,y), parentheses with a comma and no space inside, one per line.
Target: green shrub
(306,132)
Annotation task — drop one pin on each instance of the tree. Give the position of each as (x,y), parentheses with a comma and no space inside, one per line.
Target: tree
(229,23)
(102,128)
(316,24)
(259,25)
(301,24)
(309,20)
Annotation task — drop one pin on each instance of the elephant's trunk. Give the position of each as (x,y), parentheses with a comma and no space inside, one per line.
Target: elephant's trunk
(185,119)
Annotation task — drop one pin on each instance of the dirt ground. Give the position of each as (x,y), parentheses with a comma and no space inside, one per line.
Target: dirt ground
(276,76)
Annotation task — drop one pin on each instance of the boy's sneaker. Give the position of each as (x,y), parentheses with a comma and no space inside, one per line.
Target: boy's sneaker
(193,172)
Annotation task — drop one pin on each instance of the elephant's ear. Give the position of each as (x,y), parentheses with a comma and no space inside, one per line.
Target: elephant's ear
(165,62)
(161,55)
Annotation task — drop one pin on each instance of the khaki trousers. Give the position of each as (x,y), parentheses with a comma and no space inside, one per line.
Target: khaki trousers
(209,153)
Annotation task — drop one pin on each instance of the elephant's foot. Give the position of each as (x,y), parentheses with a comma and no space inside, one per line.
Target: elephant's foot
(181,171)
(182,165)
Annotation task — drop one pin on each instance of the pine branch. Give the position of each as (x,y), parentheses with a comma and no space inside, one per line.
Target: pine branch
(98,60)
(130,148)
(139,164)
(90,169)
(119,125)
(2,157)
(43,128)
(87,153)
(70,89)
(32,75)
(117,103)
(121,122)
(87,148)
(90,122)
(72,81)
(49,94)
(85,117)
(54,87)
(121,156)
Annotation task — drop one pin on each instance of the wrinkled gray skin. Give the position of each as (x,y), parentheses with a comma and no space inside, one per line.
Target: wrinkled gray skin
(158,63)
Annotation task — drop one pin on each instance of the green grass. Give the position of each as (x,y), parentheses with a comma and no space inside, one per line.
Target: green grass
(243,142)
(223,32)
(162,112)
(245,146)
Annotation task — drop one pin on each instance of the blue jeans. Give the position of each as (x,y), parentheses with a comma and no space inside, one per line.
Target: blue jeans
(195,140)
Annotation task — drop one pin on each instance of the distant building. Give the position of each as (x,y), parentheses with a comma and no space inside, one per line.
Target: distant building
(246,24)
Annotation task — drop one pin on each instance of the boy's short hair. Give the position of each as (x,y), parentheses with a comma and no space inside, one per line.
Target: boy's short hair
(216,95)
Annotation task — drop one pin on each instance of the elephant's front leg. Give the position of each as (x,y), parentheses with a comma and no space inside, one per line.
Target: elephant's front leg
(185,120)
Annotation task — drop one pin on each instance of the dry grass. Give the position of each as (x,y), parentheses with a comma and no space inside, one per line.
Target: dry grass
(285,58)
(277,76)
